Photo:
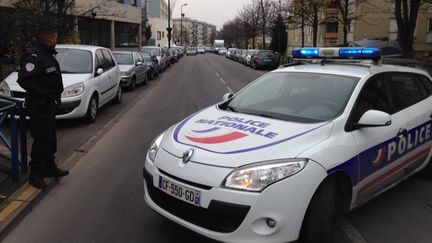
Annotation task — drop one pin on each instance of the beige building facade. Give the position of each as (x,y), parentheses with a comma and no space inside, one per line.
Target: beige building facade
(376,20)
(195,32)
(158,20)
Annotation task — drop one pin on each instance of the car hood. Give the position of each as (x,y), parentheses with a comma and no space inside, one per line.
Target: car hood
(68,79)
(227,139)
(125,68)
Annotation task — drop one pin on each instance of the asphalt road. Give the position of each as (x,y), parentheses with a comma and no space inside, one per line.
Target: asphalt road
(102,199)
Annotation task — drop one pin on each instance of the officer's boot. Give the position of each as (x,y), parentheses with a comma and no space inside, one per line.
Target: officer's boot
(36,178)
(53,171)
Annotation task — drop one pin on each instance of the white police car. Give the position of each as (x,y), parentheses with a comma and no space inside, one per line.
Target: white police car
(278,160)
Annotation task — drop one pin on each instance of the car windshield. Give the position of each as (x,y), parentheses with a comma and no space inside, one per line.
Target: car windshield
(299,97)
(146,56)
(156,51)
(124,58)
(74,61)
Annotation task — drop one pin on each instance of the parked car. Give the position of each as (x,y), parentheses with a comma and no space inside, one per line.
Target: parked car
(229,52)
(200,50)
(191,51)
(408,63)
(151,60)
(91,79)
(237,55)
(208,49)
(263,59)
(222,51)
(249,54)
(160,54)
(133,69)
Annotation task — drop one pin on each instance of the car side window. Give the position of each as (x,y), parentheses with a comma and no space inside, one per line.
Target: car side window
(375,95)
(100,62)
(408,90)
(138,57)
(108,59)
(427,83)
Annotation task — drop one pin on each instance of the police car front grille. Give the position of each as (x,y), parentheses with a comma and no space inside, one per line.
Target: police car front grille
(219,216)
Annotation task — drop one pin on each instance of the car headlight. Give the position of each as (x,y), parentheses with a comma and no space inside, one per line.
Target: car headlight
(73,90)
(4,89)
(154,147)
(257,177)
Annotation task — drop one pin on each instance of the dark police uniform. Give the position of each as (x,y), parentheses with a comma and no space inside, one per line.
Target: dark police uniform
(40,77)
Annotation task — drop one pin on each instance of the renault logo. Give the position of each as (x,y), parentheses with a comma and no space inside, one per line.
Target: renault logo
(187,155)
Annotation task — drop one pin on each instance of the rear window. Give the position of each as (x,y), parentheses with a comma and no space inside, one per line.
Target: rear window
(124,58)
(266,54)
(156,51)
(74,61)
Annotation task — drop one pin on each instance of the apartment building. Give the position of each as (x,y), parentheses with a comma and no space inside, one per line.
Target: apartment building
(198,33)
(109,23)
(376,20)
(158,20)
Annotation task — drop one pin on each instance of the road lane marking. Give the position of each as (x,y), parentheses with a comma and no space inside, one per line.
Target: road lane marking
(350,231)
(229,89)
(223,81)
(217,74)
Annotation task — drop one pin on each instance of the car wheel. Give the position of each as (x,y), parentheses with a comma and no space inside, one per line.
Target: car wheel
(92,109)
(318,223)
(119,95)
(132,84)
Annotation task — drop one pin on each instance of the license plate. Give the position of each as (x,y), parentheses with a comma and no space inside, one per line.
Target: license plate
(180,192)
(267,60)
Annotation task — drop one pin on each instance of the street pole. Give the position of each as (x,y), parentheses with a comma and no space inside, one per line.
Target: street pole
(181,23)
(169,29)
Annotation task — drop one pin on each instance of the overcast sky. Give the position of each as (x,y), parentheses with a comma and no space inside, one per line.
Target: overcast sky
(215,12)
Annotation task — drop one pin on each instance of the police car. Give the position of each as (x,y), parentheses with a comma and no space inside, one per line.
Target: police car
(278,160)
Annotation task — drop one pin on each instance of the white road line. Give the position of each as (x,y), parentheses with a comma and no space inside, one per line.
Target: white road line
(217,74)
(223,81)
(350,231)
(229,89)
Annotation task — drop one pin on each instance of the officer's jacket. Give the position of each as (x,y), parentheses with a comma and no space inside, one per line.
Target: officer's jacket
(40,74)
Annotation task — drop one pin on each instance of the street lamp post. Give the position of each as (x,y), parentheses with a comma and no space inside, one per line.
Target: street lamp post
(181,23)
(169,29)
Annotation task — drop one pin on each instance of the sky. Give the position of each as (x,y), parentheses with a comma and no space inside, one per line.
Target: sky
(215,12)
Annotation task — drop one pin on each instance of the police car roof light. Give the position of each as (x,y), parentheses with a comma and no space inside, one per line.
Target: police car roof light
(305,52)
(359,53)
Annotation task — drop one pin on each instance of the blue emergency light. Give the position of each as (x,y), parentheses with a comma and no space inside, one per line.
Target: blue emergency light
(359,53)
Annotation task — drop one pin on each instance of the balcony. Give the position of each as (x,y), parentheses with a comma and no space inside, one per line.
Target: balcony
(330,35)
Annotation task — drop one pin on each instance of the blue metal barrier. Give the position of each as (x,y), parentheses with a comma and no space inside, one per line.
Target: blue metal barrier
(17,144)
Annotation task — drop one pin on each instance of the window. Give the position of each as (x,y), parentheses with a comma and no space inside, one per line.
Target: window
(100,60)
(158,35)
(95,32)
(108,59)
(126,35)
(74,61)
(429,27)
(426,82)
(123,58)
(120,1)
(332,27)
(375,95)
(163,34)
(134,2)
(408,90)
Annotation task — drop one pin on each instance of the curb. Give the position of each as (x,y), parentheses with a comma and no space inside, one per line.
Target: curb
(26,197)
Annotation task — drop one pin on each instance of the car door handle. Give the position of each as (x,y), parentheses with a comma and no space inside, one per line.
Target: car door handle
(402,132)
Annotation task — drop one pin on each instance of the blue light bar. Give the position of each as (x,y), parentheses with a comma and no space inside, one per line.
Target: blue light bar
(305,52)
(360,53)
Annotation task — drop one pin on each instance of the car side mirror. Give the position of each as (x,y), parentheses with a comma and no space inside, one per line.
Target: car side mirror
(139,63)
(227,96)
(99,71)
(374,118)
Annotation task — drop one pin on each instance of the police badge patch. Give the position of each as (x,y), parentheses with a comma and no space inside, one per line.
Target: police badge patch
(29,67)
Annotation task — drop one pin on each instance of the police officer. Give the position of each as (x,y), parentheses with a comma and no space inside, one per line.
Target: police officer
(40,77)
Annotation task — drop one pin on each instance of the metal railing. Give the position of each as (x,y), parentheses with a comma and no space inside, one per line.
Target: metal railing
(17,144)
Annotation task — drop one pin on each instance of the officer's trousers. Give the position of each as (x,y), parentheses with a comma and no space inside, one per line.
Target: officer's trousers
(43,131)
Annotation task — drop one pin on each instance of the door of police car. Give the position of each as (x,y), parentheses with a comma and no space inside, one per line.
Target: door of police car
(380,149)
